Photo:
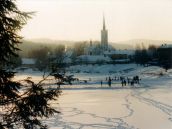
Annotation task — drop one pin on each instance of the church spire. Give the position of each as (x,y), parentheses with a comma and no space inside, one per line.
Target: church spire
(104,36)
(104,26)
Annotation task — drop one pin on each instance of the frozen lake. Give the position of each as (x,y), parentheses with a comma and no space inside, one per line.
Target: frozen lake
(113,109)
(90,106)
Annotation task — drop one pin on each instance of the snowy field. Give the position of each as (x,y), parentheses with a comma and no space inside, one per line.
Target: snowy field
(147,105)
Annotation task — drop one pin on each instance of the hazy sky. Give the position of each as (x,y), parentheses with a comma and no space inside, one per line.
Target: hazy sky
(82,19)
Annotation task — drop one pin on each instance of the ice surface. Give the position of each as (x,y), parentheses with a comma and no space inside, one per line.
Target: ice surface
(90,106)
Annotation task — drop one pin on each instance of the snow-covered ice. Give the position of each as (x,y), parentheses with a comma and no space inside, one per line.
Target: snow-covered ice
(90,106)
(112,109)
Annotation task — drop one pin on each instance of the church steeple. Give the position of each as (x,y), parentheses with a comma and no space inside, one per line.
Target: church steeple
(104,26)
(104,36)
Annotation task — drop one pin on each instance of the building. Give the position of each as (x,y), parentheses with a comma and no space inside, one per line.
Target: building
(93,49)
(28,62)
(93,59)
(103,51)
(104,37)
(99,49)
(165,55)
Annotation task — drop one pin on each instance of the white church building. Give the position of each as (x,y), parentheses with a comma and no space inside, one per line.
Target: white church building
(102,52)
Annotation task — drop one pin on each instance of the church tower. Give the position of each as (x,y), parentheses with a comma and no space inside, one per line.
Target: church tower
(104,37)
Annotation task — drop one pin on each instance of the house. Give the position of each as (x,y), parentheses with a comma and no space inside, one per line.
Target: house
(165,55)
(119,54)
(93,59)
(28,62)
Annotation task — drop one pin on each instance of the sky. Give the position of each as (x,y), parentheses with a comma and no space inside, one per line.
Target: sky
(82,19)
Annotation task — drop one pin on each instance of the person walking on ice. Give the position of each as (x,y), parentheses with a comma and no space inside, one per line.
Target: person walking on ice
(109,82)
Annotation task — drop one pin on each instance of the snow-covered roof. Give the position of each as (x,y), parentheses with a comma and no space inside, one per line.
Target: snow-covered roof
(28,61)
(69,53)
(93,58)
(90,48)
(166,46)
(109,52)
(67,60)
(127,52)
(122,60)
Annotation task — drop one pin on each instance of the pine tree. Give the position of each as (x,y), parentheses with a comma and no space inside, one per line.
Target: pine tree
(22,103)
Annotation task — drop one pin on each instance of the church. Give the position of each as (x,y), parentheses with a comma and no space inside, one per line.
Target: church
(95,52)
(102,47)
(102,51)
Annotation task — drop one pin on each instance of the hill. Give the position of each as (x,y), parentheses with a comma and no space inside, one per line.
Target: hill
(32,44)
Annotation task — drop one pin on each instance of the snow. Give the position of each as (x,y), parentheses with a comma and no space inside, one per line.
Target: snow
(105,69)
(67,60)
(93,58)
(166,46)
(90,106)
(110,109)
(28,61)
(122,60)
(127,52)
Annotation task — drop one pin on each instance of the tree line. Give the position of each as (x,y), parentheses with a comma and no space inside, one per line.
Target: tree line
(153,55)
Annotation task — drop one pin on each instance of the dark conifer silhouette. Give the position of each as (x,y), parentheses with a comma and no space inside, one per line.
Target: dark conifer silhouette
(22,103)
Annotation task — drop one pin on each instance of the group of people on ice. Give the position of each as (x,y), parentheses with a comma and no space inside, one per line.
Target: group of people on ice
(130,81)
(124,81)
